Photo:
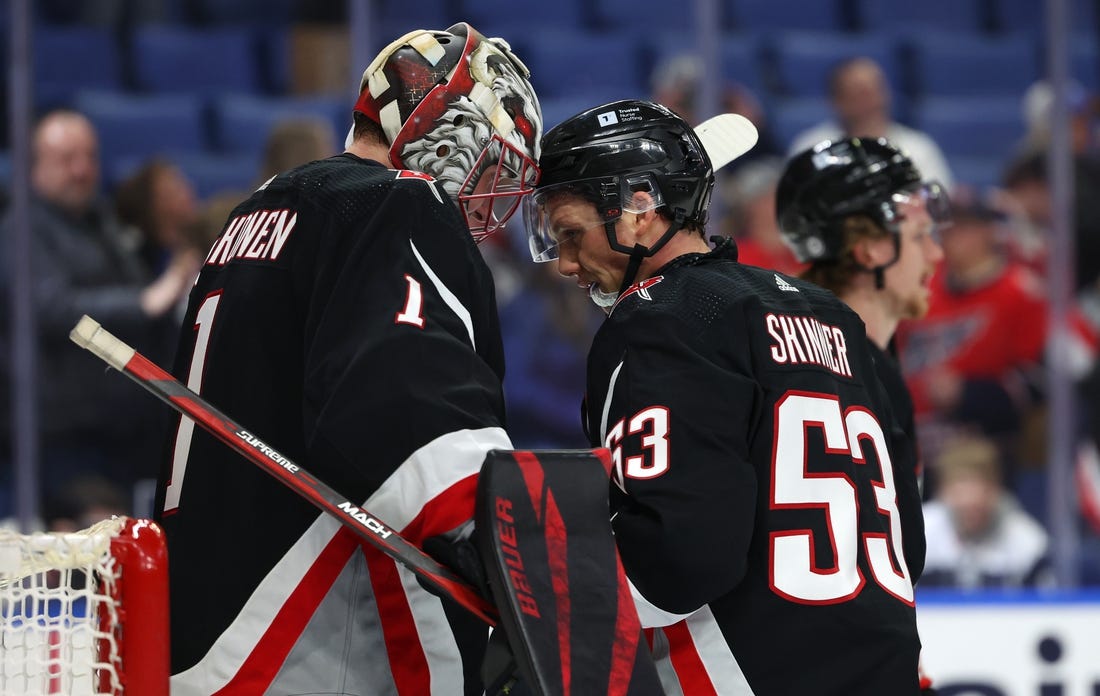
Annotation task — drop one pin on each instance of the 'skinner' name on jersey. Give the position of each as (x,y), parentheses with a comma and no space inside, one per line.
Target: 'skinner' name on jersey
(259,235)
(805,340)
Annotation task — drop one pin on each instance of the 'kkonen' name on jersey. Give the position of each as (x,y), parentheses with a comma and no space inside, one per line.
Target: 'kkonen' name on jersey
(805,340)
(259,235)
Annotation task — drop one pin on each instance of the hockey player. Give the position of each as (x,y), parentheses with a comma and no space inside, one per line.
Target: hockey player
(759,497)
(345,314)
(859,213)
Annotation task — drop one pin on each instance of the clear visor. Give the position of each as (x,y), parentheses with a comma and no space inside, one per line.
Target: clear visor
(547,232)
(502,176)
(932,196)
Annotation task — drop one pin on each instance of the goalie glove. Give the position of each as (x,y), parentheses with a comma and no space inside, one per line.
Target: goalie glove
(457,551)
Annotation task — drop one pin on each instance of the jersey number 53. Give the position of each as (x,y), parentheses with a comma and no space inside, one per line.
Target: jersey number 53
(652,424)
(794,574)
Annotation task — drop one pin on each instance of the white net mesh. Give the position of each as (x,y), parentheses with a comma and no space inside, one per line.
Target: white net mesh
(58,601)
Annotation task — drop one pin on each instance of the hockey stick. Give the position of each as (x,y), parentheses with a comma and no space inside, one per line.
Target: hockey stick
(88,334)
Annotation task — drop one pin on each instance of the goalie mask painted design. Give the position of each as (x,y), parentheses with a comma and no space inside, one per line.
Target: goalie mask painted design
(459,106)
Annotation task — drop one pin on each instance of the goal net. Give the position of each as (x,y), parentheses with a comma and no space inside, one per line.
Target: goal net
(84,613)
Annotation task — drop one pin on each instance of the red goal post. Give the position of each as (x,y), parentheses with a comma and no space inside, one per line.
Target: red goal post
(85,612)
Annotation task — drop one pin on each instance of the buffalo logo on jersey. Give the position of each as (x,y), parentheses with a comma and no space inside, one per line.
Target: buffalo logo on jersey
(641,289)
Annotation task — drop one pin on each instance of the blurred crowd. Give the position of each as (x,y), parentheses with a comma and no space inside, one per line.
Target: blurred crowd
(127,255)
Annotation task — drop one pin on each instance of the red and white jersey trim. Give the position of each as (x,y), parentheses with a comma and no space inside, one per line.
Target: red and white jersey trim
(233,647)
(422,485)
(693,659)
(431,492)
(651,615)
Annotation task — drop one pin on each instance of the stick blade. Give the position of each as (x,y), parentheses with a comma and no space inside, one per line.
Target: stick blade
(555,574)
(726,137)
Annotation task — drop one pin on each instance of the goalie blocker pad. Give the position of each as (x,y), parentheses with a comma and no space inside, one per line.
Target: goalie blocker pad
(555,574)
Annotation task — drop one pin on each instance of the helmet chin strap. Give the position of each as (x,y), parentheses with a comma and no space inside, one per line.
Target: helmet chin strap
(880,271)
(637,255)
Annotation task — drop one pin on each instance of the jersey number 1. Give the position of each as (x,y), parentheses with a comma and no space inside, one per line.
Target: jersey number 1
(794,573)
(204,321)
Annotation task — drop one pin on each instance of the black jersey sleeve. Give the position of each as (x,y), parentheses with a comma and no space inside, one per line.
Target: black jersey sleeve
(402,350)
(685,522)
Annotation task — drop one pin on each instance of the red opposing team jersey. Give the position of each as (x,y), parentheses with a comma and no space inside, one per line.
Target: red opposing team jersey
(979,333)
(752,253)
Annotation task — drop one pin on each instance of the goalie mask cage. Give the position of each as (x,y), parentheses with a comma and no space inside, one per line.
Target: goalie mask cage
(85,613)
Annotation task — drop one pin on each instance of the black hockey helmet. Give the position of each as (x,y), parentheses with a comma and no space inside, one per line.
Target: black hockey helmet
(609,153)
(831,181)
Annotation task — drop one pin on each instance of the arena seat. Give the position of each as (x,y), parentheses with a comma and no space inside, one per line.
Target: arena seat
(803,61)
(206,62)
(243,122)
(791,116)
(740,55)
(1029,16)
(641,17)
(70,59)
(952,64)
(498,17)
(981,127)
(785,15)
(145,125)
(210,173)
(967,16)
(564,63)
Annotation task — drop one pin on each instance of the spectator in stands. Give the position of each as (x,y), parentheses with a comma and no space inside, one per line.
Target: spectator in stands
(1025,199)
(751,221)
(1037,106)
(978,536)
(158,202)
(859,213)
(210,220)
(861,103)
(89,421)
(973,362)
(296,141)
(1026,176)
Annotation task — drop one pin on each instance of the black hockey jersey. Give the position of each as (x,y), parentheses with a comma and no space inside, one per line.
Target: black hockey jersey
(345,317)
(765,515)
(889,373)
